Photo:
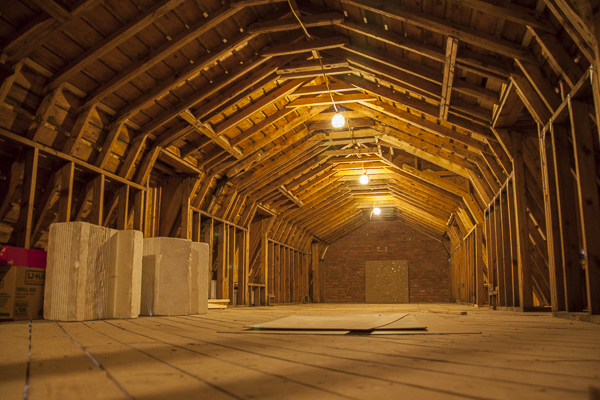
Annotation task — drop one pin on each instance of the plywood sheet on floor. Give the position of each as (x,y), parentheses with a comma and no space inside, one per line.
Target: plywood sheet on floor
(344,322)
(516,356)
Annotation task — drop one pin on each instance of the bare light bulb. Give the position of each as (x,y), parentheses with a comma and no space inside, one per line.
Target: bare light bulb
(338,120)
(364,179)
(376,211)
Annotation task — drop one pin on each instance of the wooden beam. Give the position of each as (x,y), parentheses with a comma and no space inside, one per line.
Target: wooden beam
(522,230)
(557,55)
(173,81)
(9,75)
(441,26)
(41,29)
(541,85)
(49,150)
(324,63)
(322,89)
(551,213)
(583,136)
(304,47)
(97,215)
(112,41)
(25,221)
(326,100)
(43,112)
(290,196)
(172,46)
(146,165)
(309,21)
(241,90)
(513,12)
(316,73)
(78,130)
(450,62)
(108,145)
(185,231)
(123,207)
(287,128)
(258,105)
(532,100)
(66,192)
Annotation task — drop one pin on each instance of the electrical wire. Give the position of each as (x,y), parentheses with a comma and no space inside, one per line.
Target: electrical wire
(318,54)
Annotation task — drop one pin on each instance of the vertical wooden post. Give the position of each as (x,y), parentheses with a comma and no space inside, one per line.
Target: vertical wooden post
(292,278)
(138,210)
(277,277)
(488,248)
(499,247)
(492,261)
(314,266)
(271,282)
(286,281)
(506,251)
(221,261)
(98,200)
(186,212)
(557,282)
(306,274)
(66,192)
(264,260)
(245,270)
(231,266)
(513,245)
(123,207)
(25,221)
(196,226)
(589,203)
(226,261)
(567,219)
(480,291)
(520,187)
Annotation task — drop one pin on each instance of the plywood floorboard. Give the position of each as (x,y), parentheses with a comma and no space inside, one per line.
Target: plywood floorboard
(515,356)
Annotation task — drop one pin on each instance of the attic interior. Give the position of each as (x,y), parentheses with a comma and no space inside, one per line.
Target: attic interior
(474,122)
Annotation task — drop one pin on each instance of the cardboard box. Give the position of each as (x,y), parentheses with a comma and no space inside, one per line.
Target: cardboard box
(25,257)
(21,292)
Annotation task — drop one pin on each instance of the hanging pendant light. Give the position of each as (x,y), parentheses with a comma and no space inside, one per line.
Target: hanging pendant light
(364,179)
(338,120)
(376,211)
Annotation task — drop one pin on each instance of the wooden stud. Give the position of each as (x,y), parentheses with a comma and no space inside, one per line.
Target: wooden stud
(25,221)
(567,218)
(451,51)
(66,192)
(520,188)
(123,207)
(589,203)
(138,210)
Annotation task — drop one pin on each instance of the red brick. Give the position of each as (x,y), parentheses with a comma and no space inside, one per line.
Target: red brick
(428,266)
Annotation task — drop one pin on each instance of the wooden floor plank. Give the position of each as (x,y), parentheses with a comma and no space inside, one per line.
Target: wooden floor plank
(365,350)
(60,369)
(14,348)
(132,360)
(515,355)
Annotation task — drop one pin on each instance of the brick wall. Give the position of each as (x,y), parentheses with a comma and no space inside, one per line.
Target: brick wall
(344,263)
